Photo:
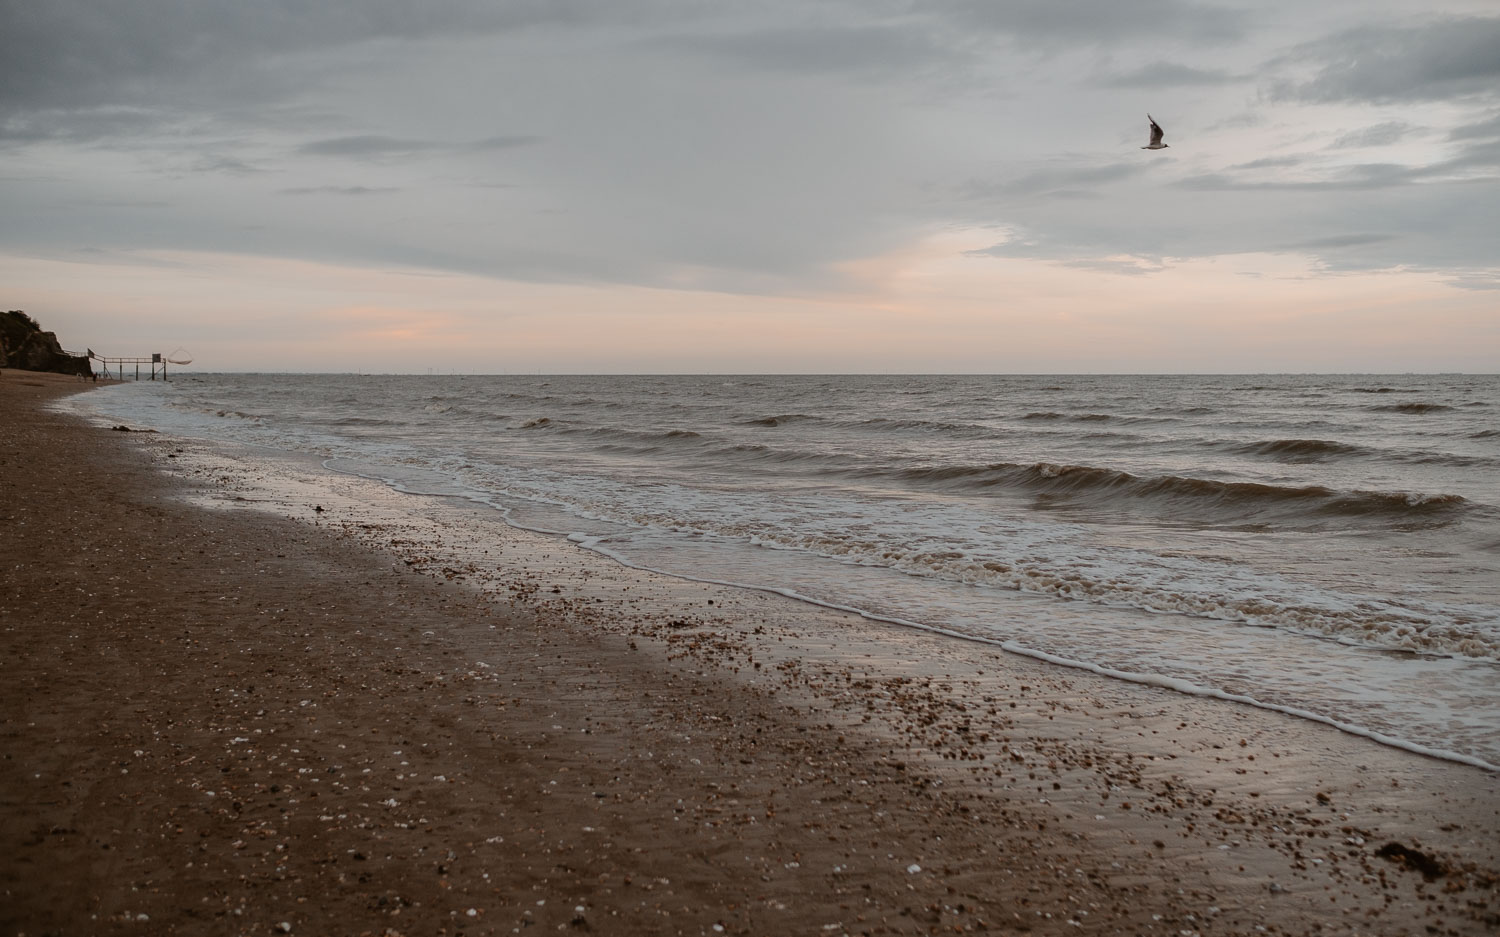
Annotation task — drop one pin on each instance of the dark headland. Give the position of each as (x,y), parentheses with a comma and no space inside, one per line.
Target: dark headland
(25,347)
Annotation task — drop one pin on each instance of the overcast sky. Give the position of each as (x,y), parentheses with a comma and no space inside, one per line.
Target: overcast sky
(773,185)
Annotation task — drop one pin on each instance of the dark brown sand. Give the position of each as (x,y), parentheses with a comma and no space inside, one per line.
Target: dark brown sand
(228,712)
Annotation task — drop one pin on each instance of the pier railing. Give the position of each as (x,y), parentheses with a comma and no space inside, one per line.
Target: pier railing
(115,367)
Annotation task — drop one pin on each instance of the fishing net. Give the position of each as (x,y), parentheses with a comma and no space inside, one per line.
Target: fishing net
(180,356)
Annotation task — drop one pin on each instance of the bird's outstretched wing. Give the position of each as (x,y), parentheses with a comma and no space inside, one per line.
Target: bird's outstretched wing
(1156,132)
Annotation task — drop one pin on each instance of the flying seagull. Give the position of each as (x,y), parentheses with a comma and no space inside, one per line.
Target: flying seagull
(1156,143)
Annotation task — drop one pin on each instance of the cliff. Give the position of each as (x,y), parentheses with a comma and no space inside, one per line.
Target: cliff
(23,345)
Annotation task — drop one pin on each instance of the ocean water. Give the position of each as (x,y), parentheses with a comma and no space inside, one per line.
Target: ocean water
(1328,546)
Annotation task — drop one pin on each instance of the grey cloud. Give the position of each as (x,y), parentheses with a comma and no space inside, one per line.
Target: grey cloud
(669,160)
(365,146)
(1336,241)
(1102,21)
(483,184)
(1489,127)
(374,146)
(1378,135)
(1104,250)
(501,142)
(1238,121)
(1209,182)
(1271,162)
(338,190)
(1062,182)
(1477,162)
(1436,60)
(1132,267)
(1482,156)
(1476,281)
(866,50)
(1168,75)
(1031,245)
(72,53)
(224,164)
(1373,216)
(85,125)
(1444,227)
(128,204)
(1364,176)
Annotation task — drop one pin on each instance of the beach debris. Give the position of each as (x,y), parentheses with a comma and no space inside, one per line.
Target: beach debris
(1414,859)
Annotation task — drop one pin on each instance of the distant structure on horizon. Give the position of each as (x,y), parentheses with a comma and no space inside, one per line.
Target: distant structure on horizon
(25,347)
(115,367)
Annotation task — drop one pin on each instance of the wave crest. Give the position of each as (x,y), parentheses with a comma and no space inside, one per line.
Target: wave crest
(1300,450)
(779,419)
(1413,407)
(1194,498)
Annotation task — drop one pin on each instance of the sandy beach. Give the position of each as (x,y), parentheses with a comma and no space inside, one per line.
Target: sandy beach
(253,697)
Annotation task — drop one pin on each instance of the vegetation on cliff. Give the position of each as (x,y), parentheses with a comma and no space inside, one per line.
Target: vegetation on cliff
(23,345)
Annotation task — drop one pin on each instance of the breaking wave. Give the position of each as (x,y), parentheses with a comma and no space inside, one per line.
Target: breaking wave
(780,419)
(1073,417)
(1237,500)
(1387,625)
(1417,407)
(885,424)
(1300,450)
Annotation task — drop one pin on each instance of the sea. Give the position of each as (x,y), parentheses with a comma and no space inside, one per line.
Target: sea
(1327,546)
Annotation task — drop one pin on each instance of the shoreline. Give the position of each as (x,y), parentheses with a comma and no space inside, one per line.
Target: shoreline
(1481,754)
(790,738)
(1385,630)
(1015,648)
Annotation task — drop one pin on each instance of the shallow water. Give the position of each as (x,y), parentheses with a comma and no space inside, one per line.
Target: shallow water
(1326,545)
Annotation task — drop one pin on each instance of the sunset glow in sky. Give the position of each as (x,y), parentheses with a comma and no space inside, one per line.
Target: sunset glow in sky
(666,186)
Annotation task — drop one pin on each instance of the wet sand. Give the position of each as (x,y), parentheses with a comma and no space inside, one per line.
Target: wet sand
(246,696)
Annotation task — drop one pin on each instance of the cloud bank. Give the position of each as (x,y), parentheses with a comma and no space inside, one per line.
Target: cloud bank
(780,149)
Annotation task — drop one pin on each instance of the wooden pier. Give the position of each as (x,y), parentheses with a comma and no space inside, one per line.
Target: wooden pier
(114,368)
